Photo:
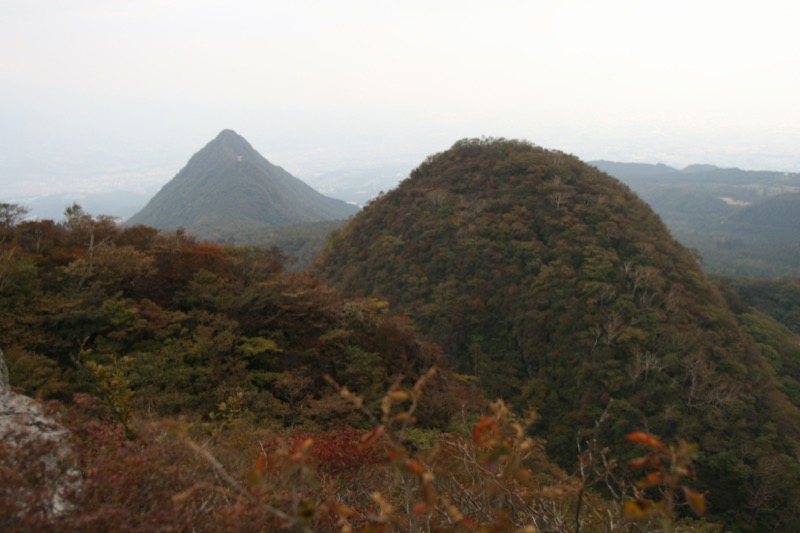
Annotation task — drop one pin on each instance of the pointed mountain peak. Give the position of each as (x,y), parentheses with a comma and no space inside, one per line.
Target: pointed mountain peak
(232,144)
(228,184)
(228,136)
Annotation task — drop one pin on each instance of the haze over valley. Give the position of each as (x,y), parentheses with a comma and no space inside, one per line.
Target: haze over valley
(99,98)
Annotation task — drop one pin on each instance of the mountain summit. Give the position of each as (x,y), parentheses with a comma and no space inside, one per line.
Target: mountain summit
(229,184)
(559,290)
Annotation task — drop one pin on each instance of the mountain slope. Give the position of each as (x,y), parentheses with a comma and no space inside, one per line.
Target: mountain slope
(229,184)
(565,293)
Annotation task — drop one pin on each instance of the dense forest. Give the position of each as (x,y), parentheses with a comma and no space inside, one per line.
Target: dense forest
(561,290)
(778,298)
(510,339)
(137,332)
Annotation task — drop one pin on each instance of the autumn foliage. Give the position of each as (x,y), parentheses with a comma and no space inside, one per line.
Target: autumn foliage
(209,390)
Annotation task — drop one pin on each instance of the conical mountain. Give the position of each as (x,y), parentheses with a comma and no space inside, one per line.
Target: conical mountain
(563,292)
(229,184)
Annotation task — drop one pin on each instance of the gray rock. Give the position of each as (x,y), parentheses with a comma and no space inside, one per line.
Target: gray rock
(25,426)
(4,386)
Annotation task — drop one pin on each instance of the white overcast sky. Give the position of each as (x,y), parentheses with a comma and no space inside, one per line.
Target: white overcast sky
(313,84)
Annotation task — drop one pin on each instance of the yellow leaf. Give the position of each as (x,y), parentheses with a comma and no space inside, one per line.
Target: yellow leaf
(398,395)
(638,510)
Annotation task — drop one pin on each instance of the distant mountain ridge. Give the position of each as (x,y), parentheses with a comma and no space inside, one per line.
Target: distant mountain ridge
(748,181)
(743,222)
(228,184)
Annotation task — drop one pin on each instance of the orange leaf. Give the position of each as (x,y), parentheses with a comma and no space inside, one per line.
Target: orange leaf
(646,439)
(484,431)
(415,467)
(257,473)
(370,438)
(300,451)
(343,510)
(653,479)
(642,462)
(696,501)
(468,524)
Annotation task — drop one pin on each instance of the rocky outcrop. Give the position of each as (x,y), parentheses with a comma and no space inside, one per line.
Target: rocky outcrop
(35,451)
(4,385)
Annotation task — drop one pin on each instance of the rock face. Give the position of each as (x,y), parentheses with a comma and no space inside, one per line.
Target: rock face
(33,447)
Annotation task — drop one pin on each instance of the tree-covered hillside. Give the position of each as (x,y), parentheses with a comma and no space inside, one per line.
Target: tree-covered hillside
(560,290)
(188,324)
(202,388)
(779,299)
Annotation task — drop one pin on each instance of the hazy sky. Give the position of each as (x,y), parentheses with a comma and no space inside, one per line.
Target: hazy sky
(95,86)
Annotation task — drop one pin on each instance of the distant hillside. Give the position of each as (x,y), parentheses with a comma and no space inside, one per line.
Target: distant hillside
(748,184)
(300,242)
(741,221)
(228,185)
(776,216)
(564,293)
(634,170)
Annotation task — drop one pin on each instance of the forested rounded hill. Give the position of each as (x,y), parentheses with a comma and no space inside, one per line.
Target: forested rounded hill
(563,292)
